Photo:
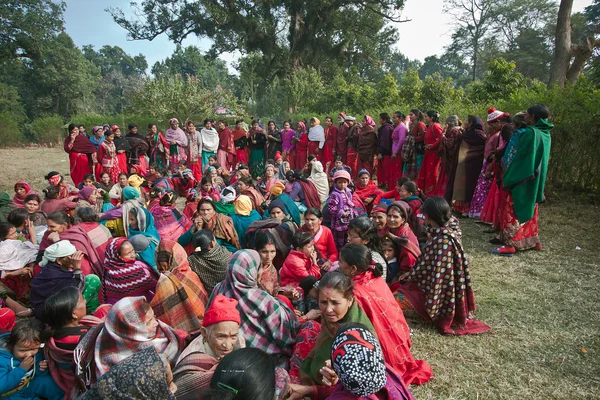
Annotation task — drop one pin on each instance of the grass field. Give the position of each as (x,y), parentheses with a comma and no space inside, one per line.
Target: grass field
(543,307)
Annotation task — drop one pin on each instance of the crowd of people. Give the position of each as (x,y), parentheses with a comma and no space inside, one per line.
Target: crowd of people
(257,263)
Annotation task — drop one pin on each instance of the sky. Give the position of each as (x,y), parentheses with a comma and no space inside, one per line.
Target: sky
(87,22)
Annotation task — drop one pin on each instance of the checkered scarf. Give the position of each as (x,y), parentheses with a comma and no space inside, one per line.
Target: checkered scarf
(125,333)
(267,323)
(180,297)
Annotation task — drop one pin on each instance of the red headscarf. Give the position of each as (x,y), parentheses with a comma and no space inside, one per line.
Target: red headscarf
(18,200)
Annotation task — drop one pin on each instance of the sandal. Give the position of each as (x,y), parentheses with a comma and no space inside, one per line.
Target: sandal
(504,251)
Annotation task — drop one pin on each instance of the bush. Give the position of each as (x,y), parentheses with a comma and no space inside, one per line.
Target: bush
(50,129)
(10,130)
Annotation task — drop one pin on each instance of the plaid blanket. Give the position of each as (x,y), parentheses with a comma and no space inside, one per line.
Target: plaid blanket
(180,297)
(267,323)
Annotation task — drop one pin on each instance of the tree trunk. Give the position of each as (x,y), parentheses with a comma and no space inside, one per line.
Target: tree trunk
(562,44)
(582,55)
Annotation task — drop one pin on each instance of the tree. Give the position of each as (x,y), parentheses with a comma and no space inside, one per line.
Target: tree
(288,33)
(190,61)
(474,19)
(26,24)
(180,97)
(562,44)
(121,74)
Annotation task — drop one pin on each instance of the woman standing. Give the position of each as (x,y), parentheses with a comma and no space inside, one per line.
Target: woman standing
(398,137)
(448,151)
(316,138)
(288,145)
(461,185)
(122,146)
(384,149)
(301,141)
(330,138)
(274,140)
(484,183)
(428,174)
(240,142)
(226,152)
(258,141)
(210,142)
(194,156)
(412,165)
(366,146)
(178,144)
(159,147)
(107,157)
(82,154)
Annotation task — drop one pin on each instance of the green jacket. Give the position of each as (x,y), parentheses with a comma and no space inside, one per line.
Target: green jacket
(525,177)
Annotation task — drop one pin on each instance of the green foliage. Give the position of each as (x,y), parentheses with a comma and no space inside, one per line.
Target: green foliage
(49,129)
(10,130)
(180,97)
(10,102)
(302,87)
(500,81)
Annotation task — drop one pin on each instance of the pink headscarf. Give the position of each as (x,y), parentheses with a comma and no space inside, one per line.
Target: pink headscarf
(369,121)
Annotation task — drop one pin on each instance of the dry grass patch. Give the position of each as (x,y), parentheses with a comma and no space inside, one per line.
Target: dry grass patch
(543,306)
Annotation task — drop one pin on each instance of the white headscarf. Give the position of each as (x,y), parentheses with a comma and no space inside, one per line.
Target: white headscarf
(64,248)
(319,178)
(317,134)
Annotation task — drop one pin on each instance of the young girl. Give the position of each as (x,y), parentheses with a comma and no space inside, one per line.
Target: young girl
(439,286)
(116,191)
(64,189)
(208,191)
(363,231)
(107,157)
(341,207)
(393,195)
(301,261)
(410,193)
(52,202)
(23,370)
(338,165)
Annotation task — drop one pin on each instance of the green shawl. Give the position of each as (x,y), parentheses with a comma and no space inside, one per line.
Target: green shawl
(309,370)
(6,205)
(525,177)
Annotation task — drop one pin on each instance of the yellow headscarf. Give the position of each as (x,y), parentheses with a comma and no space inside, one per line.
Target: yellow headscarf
(243,205)
(277,188)
(136,181)
(317,121)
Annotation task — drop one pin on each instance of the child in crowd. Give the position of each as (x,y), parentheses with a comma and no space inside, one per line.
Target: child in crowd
(23,370)
(208,191)
(388,198)
(338,165)
(53,202)
(341,207)
(388,249)
(183,179)
(410,193)
(301,261)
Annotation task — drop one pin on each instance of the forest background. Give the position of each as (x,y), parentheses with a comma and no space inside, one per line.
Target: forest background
(301,59)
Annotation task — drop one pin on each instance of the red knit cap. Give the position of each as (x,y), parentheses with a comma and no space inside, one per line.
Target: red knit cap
(221,309)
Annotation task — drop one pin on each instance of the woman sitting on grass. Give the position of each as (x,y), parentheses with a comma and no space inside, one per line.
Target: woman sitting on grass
(439,286)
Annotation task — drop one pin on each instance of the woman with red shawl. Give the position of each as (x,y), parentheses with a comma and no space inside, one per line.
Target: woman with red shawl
(226,153)
(377,301)
(240,142)
(428,174)
(82,154)
(107,157)
(366,189)
(301,140)
(22,190)
(449,153)
(330,137)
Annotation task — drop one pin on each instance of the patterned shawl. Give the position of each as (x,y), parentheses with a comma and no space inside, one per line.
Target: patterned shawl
(80,239)
(125,278)
(267,323)
(125,333)
(170,224)
(180,297)
(138,377)
(194,369)
(309,370)
(222,227)
(211,267)
(378,302)
(442,274)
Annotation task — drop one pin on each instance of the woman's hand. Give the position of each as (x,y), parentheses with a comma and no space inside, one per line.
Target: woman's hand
(76,260)
(326,266)
(54,237)
(394,155)
(404,277)
(299,392)
(290,292)
(330,378)
(313,315)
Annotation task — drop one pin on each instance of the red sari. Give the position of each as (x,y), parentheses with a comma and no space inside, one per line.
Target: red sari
(428,175)
(108,161)
(449,153)
(513,232)
(302,150)
(327,152)
(80,157)
(376,299)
